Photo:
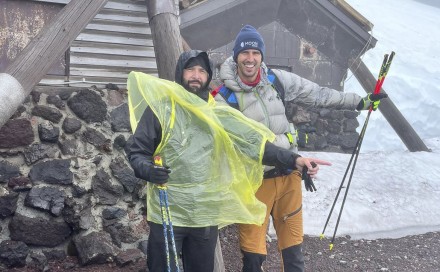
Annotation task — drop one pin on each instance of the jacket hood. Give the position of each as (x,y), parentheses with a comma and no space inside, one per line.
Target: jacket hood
(185,57)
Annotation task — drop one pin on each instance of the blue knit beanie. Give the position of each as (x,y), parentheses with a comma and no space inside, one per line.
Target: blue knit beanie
(248,38)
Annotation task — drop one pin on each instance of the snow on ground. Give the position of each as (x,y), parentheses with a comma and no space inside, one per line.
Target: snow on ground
(410,28)
(394,192)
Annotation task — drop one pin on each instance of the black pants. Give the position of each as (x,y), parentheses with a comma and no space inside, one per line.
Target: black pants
(196,246)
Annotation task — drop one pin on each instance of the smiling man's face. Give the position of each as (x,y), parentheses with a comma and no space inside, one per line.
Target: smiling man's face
(248,64)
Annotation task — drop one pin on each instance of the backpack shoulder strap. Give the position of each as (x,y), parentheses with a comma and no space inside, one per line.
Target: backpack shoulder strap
(276,83)
(228,95)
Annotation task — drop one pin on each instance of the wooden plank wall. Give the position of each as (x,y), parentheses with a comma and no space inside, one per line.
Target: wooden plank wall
(117,41)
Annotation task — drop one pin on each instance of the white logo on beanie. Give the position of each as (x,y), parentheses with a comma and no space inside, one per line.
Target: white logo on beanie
(249,44)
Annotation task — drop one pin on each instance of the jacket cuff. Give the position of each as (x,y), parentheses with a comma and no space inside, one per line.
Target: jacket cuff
(279,157)
(286,159)
(361,104)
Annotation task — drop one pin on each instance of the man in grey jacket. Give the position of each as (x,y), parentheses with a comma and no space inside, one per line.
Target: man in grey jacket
(246,75)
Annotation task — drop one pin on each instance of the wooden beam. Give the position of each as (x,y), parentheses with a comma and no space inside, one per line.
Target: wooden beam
(37,58)
(183,4)
(164,25)
(185,45)
(391,113)
(356,15)
(51,43)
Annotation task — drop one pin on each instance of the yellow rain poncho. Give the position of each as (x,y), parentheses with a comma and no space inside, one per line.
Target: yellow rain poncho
(214,153)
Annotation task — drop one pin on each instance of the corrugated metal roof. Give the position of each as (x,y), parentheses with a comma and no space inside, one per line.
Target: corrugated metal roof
(117,41)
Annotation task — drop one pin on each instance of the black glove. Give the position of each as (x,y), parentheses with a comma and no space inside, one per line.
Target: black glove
(308,182)
(371,99)
(158,174)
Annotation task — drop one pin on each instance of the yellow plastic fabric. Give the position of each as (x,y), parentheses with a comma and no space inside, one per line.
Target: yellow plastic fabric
(214,153)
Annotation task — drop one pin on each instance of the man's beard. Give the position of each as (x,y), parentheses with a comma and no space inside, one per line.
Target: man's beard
(194,89)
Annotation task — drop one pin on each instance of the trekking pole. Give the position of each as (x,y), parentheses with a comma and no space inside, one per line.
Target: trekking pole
(342,183)
(382,74)
(164,224)
(166,216)
(355,150)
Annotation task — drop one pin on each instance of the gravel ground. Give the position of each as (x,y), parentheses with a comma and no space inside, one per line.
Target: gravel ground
(412,253)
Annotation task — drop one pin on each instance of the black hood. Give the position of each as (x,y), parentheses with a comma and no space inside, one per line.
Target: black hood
(184,59)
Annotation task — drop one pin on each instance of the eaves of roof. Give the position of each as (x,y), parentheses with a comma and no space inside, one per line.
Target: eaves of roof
(329,24)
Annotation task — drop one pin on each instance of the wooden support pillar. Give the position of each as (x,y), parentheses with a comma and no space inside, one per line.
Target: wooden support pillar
(397,121)
(48,46)
(163,20)
(219,265)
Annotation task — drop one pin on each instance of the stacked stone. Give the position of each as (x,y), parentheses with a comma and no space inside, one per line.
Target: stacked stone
(328,130)
(65,185)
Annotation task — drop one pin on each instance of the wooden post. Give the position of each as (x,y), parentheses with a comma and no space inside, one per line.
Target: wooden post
(36,59)
(163,20)
(219,265)
(397,121)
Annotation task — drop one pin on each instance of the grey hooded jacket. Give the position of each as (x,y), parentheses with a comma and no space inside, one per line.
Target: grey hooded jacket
(263,104)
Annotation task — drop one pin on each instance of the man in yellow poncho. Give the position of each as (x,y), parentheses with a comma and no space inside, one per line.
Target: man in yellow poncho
(213,159)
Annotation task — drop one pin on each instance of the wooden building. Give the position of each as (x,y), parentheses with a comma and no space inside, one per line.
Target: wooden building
(313,38)
(117,41)
(316,39)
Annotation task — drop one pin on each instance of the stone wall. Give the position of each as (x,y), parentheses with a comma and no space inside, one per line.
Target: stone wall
(327,129)
(66,187)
